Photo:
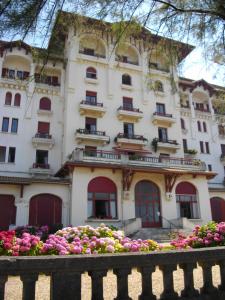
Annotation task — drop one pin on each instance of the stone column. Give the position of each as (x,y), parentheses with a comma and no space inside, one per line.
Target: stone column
(145,77)
(193,122)
(31,85)
(1,65)
(21,212)
(62,83)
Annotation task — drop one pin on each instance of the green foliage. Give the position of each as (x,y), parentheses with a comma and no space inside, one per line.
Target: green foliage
(155,144)
(191,151)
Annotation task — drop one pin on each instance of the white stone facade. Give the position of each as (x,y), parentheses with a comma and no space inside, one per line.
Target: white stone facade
(89,111)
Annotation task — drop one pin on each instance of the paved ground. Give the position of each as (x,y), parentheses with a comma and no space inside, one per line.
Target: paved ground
(14,286)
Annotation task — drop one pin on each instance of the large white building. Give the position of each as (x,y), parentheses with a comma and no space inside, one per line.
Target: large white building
(98,132)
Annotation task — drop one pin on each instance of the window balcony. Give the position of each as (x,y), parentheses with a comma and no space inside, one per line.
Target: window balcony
(124,139)
(47,80)
(204,110)
(98,137)
(125,113)
(163,119)
(171,145)
(40,168)
(43,139)
(92,109)
(14,74)
(157,67)
(92,53)
(222,158)
(126,60)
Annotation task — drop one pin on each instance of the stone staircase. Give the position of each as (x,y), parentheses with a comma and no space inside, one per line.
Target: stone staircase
(160,235)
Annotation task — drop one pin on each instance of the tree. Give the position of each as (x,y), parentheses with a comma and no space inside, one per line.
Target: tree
(195,21)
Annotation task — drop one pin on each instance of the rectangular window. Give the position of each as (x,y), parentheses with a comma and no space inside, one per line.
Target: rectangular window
(2,153)
(128,129)
(5,124)
(163,137)
(91,124)
(41,157)
(12,154)
(43,128)
(89,51)
(209,167)
(207,147)
(91,97)
(222,149)
(160,108)
(12,74)
(14,126)
(127,103)
(202,147)
(185,145)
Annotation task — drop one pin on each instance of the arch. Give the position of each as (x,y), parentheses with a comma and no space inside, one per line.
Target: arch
(8,98)
(45,209)
(91,73)
(204,127)
(147,203)
(92,45)
(159,86)
(45,104)
(102,198)
(126,79)
(7,211)
(199,126)
(127,53)
(218,209)
(187,201)
(182,123)
(17,99)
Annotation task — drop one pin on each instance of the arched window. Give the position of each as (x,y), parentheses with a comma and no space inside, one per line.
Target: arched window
(159,86)
(102,196)
(204,127)
(91,73)
(187,202)
(182,123)
(126,79)
(45,104)
(17,99)
(8,98)
(199,126)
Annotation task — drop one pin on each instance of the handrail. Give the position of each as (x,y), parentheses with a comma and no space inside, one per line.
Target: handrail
(91,103)
(88,131)
(127,108)
(43,135)
(174,142)
(162,114)
(131,136)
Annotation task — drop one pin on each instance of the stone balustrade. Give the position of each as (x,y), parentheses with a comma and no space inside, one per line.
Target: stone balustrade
(66,272)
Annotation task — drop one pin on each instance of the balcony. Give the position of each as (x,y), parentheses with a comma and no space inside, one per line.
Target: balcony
(171,145)
(163,119)
(40,168)
(98,137)
(125,113)
(92,109)
(157,67)
(14,74)
(92,53)
(222,158)
(124,139)
(201,109)
(126,60)
(43,139)
(47,80)
(137,160)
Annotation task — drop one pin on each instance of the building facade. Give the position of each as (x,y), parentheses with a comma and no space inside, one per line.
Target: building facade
(107,132)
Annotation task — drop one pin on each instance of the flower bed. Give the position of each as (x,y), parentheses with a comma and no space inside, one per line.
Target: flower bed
(89,240)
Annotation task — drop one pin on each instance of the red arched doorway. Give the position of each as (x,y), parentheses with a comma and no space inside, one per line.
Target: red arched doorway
(218,209)
(102,198)
(187,202)
(45,209)
(147,203)
(7,211)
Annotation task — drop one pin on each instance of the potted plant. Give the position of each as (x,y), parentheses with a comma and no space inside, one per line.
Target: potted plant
(155,144)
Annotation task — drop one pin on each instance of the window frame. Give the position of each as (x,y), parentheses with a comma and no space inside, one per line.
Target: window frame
(16,121)
(5,119)
(12,154)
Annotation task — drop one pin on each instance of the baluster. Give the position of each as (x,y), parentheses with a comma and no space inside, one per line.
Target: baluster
(222,275)
(146,274)
(168,292)
(208,287)
(122,283)
(29,282)
(66,285)
(189,290)
(97,284)
(3,279)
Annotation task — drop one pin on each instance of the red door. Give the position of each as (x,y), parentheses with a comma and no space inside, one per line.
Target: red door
(7,211)
(218,209)
(147,203)
(45,209)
